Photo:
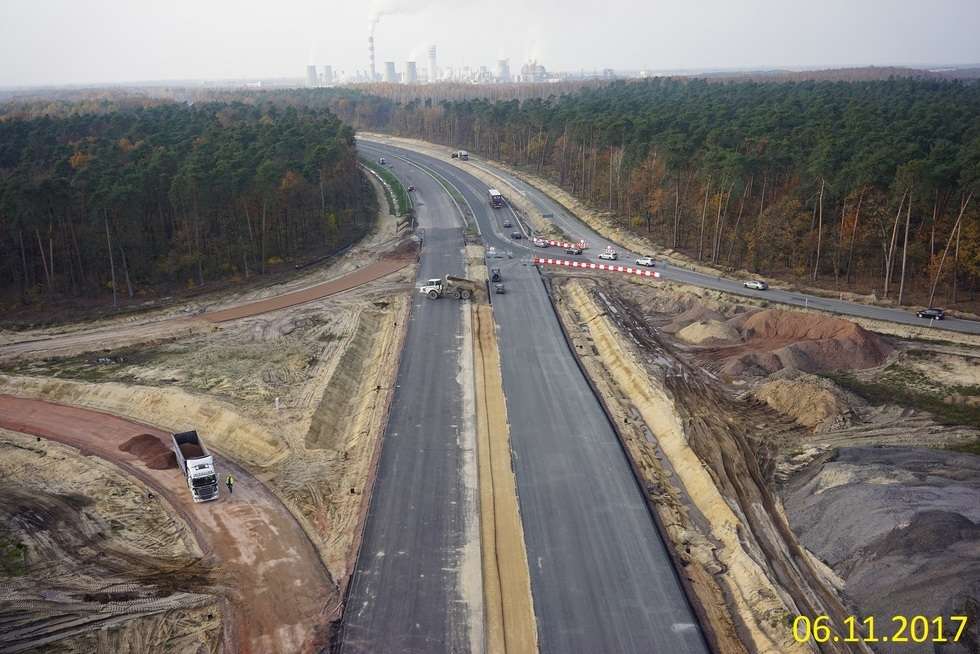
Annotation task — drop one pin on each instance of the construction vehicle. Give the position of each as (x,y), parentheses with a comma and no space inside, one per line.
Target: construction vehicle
(197,464)
(457,287)
(495,274)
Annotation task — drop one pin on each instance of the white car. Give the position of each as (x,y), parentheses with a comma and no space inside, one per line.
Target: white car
(756,284)
(608,255)
(645,261)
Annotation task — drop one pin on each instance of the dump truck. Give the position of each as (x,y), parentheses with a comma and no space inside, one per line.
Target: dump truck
(197,464)
(457,287)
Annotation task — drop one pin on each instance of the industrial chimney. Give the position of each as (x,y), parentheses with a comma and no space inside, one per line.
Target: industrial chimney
(371,57)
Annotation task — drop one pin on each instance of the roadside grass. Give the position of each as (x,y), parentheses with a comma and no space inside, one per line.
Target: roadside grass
(907,387)
(93,367)
(13,557)
(398,204)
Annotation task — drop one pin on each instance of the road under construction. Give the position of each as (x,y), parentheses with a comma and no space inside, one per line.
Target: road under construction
(488,501)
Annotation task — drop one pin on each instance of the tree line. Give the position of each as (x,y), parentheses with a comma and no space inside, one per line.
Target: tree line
(865,185)
(124,200)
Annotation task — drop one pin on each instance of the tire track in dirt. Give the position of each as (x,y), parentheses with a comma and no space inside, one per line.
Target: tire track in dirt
(278,595)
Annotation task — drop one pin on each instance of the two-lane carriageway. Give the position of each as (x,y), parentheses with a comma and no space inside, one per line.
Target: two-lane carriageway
(601,577)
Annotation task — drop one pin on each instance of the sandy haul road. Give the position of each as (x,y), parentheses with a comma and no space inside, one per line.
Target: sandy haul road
(279,596)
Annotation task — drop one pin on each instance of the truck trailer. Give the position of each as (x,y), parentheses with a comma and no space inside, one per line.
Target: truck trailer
(197,464)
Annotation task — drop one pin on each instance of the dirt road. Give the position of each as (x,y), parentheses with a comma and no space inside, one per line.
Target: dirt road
(360,276)
(121,334)
(280,596)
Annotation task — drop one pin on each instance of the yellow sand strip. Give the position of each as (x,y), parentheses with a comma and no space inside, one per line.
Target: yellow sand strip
(510,625)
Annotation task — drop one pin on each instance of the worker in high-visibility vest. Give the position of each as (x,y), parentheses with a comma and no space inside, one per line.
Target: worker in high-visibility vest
(230,482)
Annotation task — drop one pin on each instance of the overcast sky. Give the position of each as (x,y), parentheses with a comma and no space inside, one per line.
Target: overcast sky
(97,41)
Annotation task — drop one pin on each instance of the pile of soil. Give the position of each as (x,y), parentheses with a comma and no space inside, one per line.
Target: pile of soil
(774,340)
(694,313)
(151,451)
(811,401)
(192,451)
(709,331)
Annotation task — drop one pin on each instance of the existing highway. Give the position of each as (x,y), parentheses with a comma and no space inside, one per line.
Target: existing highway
(601,577)
(410,591)
(576,230)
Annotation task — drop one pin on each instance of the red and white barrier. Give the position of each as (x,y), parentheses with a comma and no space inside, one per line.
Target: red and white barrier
(588,265)
(581,245)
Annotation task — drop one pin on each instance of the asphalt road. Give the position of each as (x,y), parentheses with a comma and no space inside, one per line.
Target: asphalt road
(579,230)
(601,578)
(406,593)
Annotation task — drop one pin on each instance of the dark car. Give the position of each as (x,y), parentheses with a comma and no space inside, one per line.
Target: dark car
(932,314)
(507,223)
(573,251)
(516,236)
(498,288)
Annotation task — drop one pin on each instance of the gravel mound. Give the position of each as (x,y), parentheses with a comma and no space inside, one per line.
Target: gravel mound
(901,526)
(697,312)
(709,331)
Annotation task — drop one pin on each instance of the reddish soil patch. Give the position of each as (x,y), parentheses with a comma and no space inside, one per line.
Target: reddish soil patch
(773,340)
(151,451)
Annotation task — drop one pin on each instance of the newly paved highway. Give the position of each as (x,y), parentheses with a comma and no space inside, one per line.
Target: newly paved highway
(601,578)
(407,593)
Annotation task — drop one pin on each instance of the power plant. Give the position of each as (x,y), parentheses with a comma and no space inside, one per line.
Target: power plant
(531,71)
(390,75)
(433,70)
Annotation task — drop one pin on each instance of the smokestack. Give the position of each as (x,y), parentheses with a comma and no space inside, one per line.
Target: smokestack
(371,56)
(433,70)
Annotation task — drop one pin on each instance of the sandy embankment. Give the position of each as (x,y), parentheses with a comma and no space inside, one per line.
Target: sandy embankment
(744,608)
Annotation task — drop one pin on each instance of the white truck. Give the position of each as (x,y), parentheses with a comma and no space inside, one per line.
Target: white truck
(197,464)
(457,287)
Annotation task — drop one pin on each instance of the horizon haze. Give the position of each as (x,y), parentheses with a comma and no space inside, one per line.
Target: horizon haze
(113,42)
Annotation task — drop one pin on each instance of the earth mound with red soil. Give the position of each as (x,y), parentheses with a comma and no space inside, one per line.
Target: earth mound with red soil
(149,449)
(775,340)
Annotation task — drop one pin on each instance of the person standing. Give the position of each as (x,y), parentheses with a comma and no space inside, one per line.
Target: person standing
(230,482)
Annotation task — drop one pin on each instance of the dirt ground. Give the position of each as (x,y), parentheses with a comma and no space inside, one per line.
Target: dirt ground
(299,396)
(276,592)
(875,530)
(77,532)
